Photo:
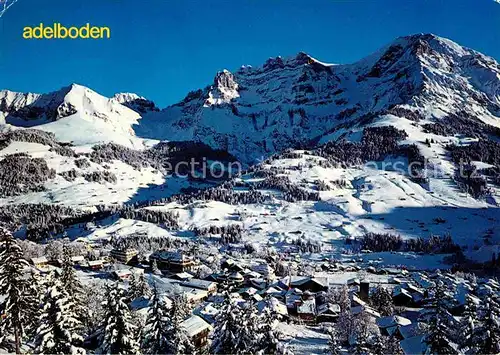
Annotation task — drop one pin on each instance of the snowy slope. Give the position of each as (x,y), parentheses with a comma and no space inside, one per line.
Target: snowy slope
(74,114)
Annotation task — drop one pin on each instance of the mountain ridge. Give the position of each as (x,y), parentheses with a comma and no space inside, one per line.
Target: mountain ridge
(287,102)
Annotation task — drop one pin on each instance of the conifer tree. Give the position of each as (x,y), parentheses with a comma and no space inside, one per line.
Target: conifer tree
(59,329)
(118,333)
(19,302)
(438,337)
(235,329)
(72,284)
(138,287)
(178,341)
(489,341)
(155,334)
(334,341)
(467,331)
(381,299)
(268,335)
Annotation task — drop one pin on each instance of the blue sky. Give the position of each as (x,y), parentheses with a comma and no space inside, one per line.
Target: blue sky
(162,49)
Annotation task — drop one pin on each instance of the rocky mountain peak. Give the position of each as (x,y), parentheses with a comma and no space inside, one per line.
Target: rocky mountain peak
(224,89)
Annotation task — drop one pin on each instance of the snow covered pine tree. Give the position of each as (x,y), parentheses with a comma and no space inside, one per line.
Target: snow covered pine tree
(118,330)
(19,304)
(60,328)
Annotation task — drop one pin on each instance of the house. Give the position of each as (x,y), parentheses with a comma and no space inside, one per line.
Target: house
(78,260)
(414,345)
(41,262)
(182,276)
(207,312)
(390,325)
(209,286)
(402,297)
(353,282)
(265,270)
(307,310)
(274,306)
(95,264)
(373,314)
(236,277)
(172,261)
(123,274)
(412,330)
(197,330)
(124,256)
(309,284)
(328,312)
(232,265)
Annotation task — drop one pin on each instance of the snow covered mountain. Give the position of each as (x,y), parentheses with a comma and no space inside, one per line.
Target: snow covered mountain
(288,102)
(74,114)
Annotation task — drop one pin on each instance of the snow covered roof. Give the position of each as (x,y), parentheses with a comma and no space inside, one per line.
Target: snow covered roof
(96,262)
(207,312)
(197,283)
(390,321)
(307,307)
(411,330)
(40,260)
(123,272)
(369,310)
(414,345)
(273,290)
(183,275)
(328,308)
(195,325)
(401,291)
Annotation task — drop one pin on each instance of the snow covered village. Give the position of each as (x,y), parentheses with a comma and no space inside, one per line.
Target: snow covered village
(291,206)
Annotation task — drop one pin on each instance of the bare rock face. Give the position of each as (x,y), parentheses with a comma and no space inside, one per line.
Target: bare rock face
(224,89)
(289,102)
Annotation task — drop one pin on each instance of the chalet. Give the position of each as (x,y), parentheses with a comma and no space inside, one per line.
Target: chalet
(328,312)
(41,262)
(78,260)
(274,306)
(247,292)
(353,282)
(264,269)
(207,312)
(402,297)
(125,256)
(172,261)
(309,284)
(95,264)
(209,286)
(307,310)
(236,277)
(182,276)
(197,330)
(389,326)
(414,345)
(258,283)
(122,274)
(232,265)
(125,272)
(373,314)
(293,298)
